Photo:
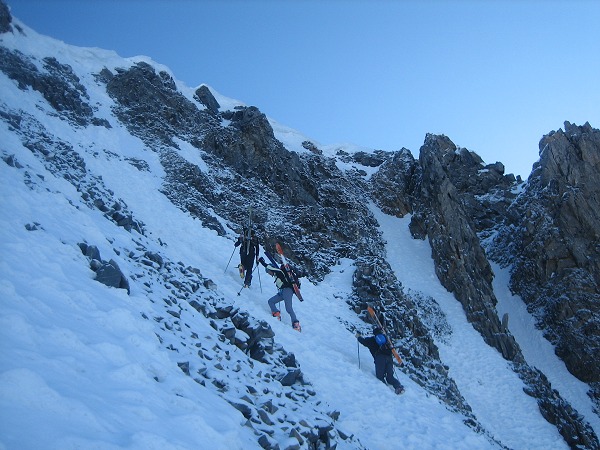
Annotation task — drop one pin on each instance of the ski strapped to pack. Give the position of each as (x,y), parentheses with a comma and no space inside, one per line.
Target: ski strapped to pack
(293,278)
(378,323)
(249,231)
(272,259)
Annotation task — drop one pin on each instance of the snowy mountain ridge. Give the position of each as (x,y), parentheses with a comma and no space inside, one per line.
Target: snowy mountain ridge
(100,183)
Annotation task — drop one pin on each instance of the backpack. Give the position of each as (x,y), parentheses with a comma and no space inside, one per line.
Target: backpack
(381,340)
(291,277)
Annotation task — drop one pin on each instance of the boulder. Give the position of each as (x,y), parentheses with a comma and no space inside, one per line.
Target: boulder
(204,96)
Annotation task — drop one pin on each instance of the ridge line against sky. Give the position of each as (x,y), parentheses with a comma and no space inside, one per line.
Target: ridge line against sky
(494,76)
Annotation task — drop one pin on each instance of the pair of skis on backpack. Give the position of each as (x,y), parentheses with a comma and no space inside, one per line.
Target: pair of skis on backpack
(379,325)
(287,269)
(291,276)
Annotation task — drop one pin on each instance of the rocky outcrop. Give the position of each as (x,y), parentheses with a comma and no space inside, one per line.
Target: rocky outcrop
(204,96)
(551,239)
(5,18)
(375,284)
(107,272)
(60,158)
(445,211)
(304,199)
(56,82)
(454,198)
(456,193)
(397,174)
(152,108)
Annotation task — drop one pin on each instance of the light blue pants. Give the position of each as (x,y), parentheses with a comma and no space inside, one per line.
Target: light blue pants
(285,295)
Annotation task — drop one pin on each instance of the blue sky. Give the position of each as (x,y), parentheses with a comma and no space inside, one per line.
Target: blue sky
(494,76)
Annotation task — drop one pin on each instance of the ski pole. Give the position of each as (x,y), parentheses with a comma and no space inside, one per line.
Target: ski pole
(358,350)
(229,259)
(259,282)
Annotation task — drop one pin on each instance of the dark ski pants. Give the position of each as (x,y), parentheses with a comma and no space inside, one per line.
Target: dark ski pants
(384,370)
(284,295)
(247,261)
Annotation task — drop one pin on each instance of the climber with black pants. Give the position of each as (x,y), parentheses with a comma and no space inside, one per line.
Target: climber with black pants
(382,355)
(249,250)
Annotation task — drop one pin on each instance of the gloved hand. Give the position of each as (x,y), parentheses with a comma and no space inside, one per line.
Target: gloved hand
(261,260)
(358,334)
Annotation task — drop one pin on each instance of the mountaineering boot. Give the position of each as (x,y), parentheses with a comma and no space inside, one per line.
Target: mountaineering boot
(297,326)
(399,390)
(277,314)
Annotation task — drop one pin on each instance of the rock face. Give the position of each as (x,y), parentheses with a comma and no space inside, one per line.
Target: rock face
(448,191)
(56,82)
(297,198)
(450,183)
(552,239)
(204,96)
(397,174)
(5,18)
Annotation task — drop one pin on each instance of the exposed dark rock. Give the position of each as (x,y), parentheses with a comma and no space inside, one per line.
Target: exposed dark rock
(107,273)
(149,104)
(312,147)
(91,251)
(5,18)
(375,283)
(244,408)
(110,274)
(265,442)
(576,432)
(372,159)
(290,377)
(460,261)
(12,161)
(393,185)
(57,83)
(204,96)
(551,238)
(185,367)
